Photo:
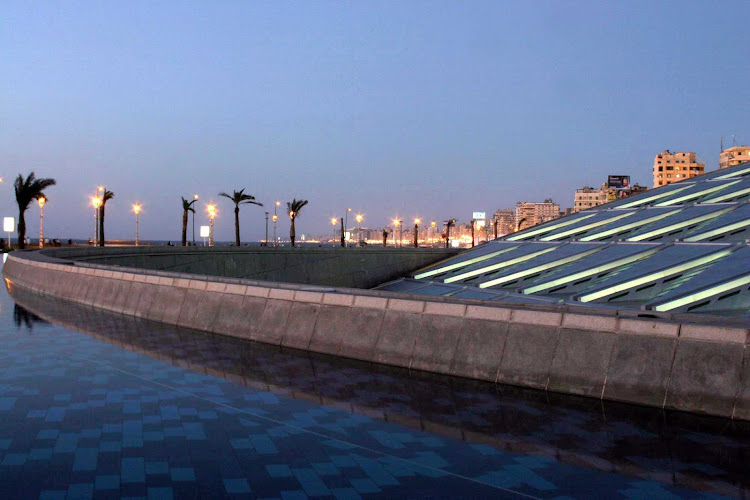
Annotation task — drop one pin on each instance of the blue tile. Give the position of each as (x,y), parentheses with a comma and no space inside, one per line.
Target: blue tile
(14,459)
(294,495)
(53,495)
(81,491)
(345,494)
(47,434)
(364,486)
(132,470)
(110,446)
(326,469)
(5,443)
(279,470)
(7,403)
(157,468)
(182,474)
(107,482)
(239,485)
(40,454)
(163,493)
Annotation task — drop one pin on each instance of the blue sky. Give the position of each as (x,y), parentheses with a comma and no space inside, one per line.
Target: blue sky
(426,108)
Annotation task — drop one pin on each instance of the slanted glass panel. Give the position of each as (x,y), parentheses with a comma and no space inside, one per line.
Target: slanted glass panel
(740,190)
(733,172)
(403,286)
(670,227)
(524,252)
(600,219)
(693,194)
(638,220)
(609,258)
(723,227)
(475,294)
(670,260)
(556,224)
(434,290)
(478,255)
(562,255)
(730,267)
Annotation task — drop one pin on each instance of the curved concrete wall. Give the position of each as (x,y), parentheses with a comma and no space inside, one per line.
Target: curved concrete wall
(350,267)
(665,362)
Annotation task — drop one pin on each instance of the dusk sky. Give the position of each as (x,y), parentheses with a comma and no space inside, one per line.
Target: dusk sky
(411,108)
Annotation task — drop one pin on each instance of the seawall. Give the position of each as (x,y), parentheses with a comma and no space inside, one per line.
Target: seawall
(680,362)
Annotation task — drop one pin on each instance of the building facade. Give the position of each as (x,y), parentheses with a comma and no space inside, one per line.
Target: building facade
(531,213)
(672,167)
(588,197)
(734,156)
(506,220)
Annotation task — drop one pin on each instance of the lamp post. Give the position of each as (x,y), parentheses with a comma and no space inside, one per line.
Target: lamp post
(275,218)
(41,200)
(96,202)
(417,222)
(359,228)
(433,226)
(448,225)
(211,215)
(396,223)
(333,223)
(137,210)
(195,198)
(266,228)
(346,223)
(472,232)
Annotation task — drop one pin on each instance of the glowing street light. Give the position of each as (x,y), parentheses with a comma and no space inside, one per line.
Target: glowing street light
(41,200)
(346,221)
(137,210)
(195,198)
(211,215)
(333,223)
(417,222)
(275,218)
(96,202)
(396,223)
(359,218)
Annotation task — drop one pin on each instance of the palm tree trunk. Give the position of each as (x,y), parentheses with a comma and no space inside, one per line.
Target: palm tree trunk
(291,232)
(101,226)
(237,225)
(184,227)
(21,230)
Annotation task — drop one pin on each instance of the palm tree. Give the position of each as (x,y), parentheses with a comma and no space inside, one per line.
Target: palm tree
(293,207)
(187,206)
(26,190)
(106,195)
(239,198)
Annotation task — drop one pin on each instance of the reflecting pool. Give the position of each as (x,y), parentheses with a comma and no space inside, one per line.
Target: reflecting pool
(99,405)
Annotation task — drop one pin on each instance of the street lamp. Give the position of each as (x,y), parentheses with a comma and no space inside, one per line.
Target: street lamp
(137,210)
(448,225)
(346,222)
(275,218)
(396,223)
(41,200)
(211,215)
(96,202)
(359,229)
(433,226)
(266,242)
(333,223)
(195,198)
(417,222)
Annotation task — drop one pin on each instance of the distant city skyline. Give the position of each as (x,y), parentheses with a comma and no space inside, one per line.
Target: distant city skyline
(429,109)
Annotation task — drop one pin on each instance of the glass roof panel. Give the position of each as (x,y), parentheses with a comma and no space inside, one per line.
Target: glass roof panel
(671,259)
(688,217)
(697,191)
(640,219)
(524,252)
(725,223)
(610,257)
(477,255)
(598,220)
(740,188)
(733,265)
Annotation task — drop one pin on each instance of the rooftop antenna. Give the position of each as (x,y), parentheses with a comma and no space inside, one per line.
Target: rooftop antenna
(722,143)
(734,142)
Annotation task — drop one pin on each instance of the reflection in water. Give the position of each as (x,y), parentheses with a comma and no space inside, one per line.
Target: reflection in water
(23,317)
(702,453)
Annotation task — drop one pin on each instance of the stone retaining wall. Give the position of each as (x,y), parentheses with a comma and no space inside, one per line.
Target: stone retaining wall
(665,362)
